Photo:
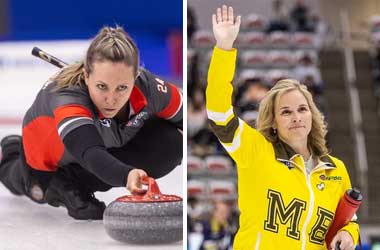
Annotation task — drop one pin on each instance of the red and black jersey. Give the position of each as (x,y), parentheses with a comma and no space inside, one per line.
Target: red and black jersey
(56,113)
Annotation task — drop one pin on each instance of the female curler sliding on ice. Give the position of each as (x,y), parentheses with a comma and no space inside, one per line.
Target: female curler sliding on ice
(98,124)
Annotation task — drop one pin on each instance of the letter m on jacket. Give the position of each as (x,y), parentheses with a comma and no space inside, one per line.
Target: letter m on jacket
(288,215)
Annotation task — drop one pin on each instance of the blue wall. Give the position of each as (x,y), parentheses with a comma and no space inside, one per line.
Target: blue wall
(149,23)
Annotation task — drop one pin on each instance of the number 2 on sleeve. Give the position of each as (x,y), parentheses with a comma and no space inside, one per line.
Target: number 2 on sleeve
(161,86)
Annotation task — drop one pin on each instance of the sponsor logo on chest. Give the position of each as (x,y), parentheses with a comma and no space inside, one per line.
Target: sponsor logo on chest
(105,122)
(330,178)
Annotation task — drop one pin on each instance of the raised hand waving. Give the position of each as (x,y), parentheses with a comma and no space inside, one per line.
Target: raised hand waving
(225,27)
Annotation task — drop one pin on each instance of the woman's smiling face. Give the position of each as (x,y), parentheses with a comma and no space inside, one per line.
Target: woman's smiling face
(293,117)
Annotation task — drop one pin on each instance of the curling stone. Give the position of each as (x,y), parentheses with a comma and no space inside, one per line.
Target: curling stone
(150,218)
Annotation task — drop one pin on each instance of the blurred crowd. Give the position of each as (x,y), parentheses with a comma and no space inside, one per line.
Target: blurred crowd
(285,46)
(375,57)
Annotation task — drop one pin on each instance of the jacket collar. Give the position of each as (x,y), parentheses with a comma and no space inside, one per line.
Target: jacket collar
(137,99)
(284,153)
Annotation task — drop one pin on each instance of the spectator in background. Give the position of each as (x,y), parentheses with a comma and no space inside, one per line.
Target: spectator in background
(191,23)
(376,54)
(196,113)
(375,24)
(376,72)
(319,27)
(192,72)
(218,231)
(299,16)
(248,98)
(195,209)
(306,67)
(317,92)
(375,58)
(279,17)
(202,141)
(307,73)
(251,92)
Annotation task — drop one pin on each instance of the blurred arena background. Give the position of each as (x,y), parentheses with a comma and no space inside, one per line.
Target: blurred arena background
(64,30)
(331,46)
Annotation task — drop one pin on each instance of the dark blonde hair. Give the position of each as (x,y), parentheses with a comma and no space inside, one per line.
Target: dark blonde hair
(316,138)
(110,44)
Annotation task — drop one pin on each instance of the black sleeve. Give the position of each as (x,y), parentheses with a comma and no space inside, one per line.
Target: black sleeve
(164,98)
(87,146)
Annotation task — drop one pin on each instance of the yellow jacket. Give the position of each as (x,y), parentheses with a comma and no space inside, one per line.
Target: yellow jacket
(282,207)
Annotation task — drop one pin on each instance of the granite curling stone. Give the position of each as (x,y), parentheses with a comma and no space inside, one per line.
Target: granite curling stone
(150,218)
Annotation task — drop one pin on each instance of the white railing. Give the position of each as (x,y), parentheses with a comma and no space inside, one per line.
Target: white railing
(355,111)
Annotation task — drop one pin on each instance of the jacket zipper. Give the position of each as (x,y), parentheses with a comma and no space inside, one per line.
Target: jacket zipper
(309,213)
(311,201)
(258,239)
(320,166)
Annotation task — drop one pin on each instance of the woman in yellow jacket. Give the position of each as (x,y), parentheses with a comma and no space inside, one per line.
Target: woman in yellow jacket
(289,186)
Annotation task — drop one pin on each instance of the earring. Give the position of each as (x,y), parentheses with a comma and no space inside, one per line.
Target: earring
(274,131)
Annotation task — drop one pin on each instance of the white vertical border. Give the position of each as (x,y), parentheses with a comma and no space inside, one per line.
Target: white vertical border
(184,103)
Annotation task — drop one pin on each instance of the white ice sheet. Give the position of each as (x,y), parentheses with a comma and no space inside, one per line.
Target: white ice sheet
(30,226)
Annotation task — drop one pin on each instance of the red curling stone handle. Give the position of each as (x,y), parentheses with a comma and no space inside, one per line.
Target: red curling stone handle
(152,194)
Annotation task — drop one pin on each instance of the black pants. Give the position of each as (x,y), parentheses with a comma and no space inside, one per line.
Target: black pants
(156,148)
